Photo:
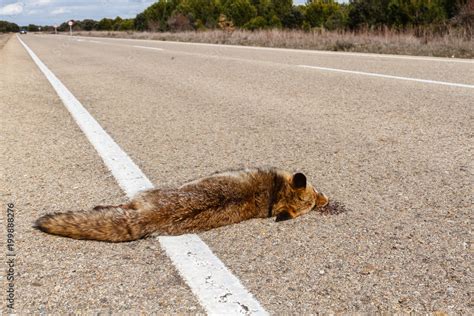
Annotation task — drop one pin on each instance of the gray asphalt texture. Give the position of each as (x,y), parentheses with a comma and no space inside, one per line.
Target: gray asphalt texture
(397,154)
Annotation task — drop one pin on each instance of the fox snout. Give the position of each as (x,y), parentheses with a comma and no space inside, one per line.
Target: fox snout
(321,199)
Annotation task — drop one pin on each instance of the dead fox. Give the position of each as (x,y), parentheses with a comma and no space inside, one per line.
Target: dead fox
(220,199)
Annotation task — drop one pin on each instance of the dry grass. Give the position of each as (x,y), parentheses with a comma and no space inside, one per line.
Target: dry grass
(4,39)
(453,44)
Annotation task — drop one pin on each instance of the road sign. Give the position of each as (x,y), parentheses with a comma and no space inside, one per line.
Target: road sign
(70,26)
(70,23)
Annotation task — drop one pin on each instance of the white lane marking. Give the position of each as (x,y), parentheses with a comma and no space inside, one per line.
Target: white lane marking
(147,47)
(216,288)
(189,254)
(389,76)
(127,173)
(91,41)
(322,68)
(295,50)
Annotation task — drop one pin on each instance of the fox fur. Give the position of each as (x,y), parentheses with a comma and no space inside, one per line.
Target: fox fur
(220,199)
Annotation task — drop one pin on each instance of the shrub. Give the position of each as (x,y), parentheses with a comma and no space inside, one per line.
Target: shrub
(256,23)
(126,25)
(8,27)
(105,24)
(240,11)
(275,22)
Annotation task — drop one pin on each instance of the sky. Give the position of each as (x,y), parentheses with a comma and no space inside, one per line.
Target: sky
(50,12)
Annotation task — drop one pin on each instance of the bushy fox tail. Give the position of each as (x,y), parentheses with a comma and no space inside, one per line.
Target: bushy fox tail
(105,223)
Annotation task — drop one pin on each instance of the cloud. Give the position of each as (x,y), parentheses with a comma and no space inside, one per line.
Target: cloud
(39,3)
(60,11)
(48,12)
(12,9)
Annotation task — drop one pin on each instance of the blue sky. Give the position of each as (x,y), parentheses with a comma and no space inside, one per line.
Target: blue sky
(49,12)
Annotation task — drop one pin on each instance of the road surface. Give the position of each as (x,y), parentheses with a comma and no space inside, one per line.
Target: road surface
(390,137)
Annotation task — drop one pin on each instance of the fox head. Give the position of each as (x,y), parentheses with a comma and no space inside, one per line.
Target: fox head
(297,197)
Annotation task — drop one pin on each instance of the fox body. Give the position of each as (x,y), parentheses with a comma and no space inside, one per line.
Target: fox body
(220,199)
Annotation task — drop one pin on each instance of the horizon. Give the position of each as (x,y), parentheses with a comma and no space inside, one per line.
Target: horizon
(50,12)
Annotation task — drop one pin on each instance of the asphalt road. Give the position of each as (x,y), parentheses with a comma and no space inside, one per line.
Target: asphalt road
(397,153)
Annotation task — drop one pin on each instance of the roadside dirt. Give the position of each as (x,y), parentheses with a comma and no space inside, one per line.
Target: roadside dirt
(4,39)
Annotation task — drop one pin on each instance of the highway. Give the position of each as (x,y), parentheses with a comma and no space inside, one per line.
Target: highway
(390,137)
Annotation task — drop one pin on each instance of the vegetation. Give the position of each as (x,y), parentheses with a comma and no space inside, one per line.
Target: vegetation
(6,27)
(186,15)
(178,15)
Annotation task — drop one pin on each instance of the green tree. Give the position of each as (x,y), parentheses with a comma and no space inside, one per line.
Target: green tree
(32,28)
(294,19)
(281,8)
(116,23)
(126,25)
(368,13)
(105,25)
(256,23)
(409,13)
(452,8)
(139,23)
(6,27)
(264,8)
(207,11)
(239,11)
(275,22)
(314,13)
(158,13)
(336,18)
(63,27)
(88,25)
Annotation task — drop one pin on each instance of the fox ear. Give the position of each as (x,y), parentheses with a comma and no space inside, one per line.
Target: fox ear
(283,216)
(299,181)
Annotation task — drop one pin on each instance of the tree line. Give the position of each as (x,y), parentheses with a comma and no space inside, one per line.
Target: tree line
(181,15)
(6,27)
(187,15)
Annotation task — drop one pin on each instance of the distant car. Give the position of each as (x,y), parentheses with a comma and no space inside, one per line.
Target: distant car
(23,32)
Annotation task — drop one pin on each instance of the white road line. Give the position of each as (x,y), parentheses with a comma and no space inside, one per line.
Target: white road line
(127,173)
(389,76)
(147,47)
(216,288)
(295,50)
(314,67)
(188,253)
(91,41)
